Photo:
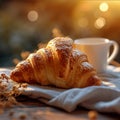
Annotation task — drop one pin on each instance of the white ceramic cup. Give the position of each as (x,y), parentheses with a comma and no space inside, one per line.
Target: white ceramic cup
(98,51)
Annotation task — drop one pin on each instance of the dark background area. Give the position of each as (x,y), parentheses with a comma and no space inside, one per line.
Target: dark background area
(26,23)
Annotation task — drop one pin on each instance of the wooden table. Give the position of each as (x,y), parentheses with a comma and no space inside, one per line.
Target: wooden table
(34,110)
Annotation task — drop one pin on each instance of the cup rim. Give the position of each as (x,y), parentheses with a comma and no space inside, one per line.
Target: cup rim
(91,40)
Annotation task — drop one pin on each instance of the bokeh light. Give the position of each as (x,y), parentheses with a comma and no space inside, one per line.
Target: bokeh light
(104,7)
(100,23)
(32,15)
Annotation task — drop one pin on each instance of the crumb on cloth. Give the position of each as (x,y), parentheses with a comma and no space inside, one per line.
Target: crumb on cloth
(92,115)
(8,91)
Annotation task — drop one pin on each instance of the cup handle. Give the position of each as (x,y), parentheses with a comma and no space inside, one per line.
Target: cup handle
(115,51)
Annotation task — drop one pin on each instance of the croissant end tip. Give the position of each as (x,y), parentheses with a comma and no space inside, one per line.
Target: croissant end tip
(15,75)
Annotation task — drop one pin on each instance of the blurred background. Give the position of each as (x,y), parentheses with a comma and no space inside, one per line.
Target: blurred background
(26,23)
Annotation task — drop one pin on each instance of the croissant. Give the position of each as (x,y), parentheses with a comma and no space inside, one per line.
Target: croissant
(58,64)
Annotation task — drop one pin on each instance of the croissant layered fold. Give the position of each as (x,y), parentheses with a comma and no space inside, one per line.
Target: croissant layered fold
(59,64)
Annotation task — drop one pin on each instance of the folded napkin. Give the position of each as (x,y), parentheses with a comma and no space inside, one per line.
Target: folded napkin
(104,98)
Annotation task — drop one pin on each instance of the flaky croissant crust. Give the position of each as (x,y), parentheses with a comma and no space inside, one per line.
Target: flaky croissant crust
(58,64)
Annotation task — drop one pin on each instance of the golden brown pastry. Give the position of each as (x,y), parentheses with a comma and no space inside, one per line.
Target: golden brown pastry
(58,64)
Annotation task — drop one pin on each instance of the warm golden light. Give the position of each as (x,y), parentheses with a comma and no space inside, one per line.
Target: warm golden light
(104,7)
(32,15)
(100,23)
(83,22)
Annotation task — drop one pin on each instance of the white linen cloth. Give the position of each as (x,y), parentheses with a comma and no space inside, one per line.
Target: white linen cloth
(104,98)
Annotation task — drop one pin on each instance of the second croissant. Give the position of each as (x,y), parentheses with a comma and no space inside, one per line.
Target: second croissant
(59,65)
